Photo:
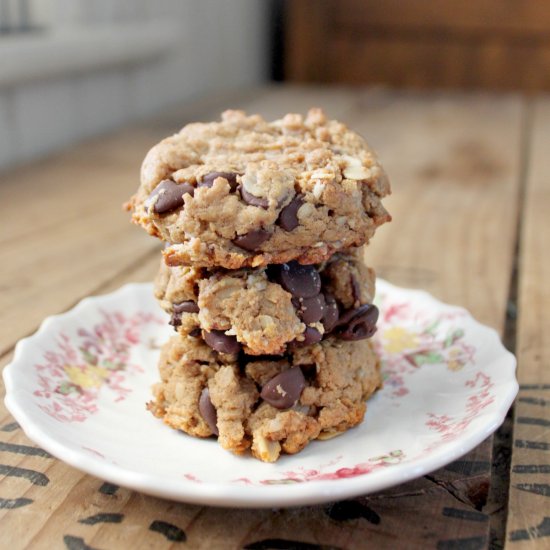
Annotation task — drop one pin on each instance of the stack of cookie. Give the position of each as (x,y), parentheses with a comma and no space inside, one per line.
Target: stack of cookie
(263,278)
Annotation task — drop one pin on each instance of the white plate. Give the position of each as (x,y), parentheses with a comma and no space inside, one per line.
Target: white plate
(78,387)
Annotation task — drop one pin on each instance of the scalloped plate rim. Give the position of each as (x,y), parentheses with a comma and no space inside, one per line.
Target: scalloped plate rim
(227,494)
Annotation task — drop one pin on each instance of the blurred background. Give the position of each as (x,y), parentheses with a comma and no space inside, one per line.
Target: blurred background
(71,69)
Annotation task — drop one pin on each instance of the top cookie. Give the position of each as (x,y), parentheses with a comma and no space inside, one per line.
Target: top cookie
(244,192)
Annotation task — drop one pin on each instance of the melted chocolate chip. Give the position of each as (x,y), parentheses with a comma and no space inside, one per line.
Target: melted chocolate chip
(185,307)
(285,389)
(249,198)
(302,281)
(358,323)
(348,315)
(311,310)
(175,320)
(311,336)
(170,196)
(195,333)
(252,240)
(288,217)
(208,411)
(208,180)
(331,313)
(219,341)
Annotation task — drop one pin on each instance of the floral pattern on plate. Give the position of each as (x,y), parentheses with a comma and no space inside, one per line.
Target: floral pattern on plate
(409,338)
(74,371)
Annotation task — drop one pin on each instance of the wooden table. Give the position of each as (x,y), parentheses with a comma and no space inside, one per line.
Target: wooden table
(470,205)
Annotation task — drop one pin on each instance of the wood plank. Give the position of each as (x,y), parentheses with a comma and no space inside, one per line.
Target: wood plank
(428,62)
(75,237)
(305,49)
(448,44)
(454,164)
(514,18)
(529,505)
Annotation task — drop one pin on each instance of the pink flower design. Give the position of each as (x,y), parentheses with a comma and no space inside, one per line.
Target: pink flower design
(452,427)
(74,372)
(192,477)
(303,475)
(244,480)
(94,452)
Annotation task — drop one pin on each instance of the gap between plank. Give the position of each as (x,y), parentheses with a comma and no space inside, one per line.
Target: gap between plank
(502,442)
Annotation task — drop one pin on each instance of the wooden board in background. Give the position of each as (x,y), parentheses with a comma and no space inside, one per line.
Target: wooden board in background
(487,44)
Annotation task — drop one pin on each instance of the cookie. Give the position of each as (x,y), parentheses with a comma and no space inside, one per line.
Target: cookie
(244,192)
(270,405)
(264,310)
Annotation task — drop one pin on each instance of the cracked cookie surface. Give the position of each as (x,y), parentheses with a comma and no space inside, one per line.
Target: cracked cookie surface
(270,405)
(246,192)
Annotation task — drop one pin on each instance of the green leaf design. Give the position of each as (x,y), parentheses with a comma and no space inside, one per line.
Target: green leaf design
(454,336)
(280,481)
(392,458)
(430,329)
(90,358)
(109,365)
(65,388)
(427,358)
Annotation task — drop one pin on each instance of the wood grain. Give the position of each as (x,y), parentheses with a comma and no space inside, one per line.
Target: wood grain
(529,506)
(486,44)
(517,18)
(454,161)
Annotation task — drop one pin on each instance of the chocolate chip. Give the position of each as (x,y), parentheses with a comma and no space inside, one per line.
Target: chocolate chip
(219,341)
(331,313)
(195,333)
(348,315)
(311,336)
(253,200)
(285,389)
(252,240)
(170,196)
(358,323)
(208,411)
(175,320)
(311,310)
(302,281)
(208,180)
(182,307)
(185,307)
(288,217)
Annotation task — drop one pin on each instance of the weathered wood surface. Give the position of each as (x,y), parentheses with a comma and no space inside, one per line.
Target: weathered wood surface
(529,508)
(455,162)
